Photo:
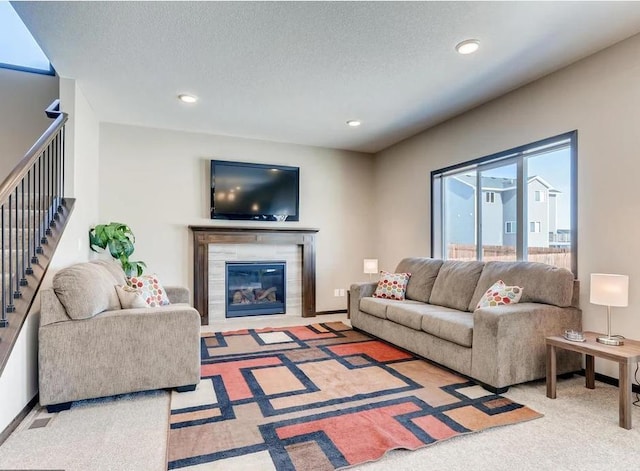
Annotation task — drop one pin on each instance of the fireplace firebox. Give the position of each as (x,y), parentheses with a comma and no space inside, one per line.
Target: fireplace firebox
(255,288)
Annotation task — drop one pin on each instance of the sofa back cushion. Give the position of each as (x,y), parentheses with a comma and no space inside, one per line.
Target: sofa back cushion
(456,283)
(114,268)
(423,275)
(86,289)
(541,283)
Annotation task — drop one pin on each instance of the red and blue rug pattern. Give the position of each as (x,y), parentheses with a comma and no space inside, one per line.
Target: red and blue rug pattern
(320,397)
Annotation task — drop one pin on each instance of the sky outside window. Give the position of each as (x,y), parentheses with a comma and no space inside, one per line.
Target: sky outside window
(18,49)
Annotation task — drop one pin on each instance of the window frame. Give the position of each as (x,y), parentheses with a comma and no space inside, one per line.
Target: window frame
(31,70)
(490,197)
(514,227)
(517,155)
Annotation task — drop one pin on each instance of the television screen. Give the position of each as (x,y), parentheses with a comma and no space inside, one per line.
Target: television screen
(260,192)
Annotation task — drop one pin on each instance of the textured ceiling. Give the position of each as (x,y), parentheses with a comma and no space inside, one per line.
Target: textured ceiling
(296,71)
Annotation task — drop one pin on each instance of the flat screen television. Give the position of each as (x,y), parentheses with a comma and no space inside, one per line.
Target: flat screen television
(260,192)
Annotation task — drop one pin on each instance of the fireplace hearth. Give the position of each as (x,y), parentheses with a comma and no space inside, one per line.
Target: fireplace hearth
(255,288)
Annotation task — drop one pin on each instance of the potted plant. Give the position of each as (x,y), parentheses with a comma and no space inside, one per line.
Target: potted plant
(119,239)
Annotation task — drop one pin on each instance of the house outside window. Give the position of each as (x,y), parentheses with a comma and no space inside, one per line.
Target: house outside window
(465,226)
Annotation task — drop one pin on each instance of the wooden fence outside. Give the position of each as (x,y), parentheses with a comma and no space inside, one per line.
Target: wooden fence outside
(559,257)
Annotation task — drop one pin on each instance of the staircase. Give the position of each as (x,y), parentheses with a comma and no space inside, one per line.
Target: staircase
(33,215)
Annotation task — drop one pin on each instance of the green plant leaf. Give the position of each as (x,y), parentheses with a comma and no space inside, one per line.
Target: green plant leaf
(119,239)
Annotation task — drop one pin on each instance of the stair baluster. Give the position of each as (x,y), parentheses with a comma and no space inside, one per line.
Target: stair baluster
(27,253)
(3,314)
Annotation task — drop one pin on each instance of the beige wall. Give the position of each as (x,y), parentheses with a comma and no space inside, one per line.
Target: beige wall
(157,181)
(600,97)
(19,380)
(82,182)
(23,99)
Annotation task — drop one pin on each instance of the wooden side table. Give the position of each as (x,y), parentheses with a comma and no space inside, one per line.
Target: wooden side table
(625,355)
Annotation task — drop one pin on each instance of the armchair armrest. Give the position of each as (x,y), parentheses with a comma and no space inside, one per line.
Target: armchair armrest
(177,294)
(509,345)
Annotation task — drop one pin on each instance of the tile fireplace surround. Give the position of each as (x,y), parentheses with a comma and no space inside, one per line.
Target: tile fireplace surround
(220,254)
(213,246)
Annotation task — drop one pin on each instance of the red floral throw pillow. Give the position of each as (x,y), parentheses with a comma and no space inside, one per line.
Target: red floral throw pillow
(150,289)
(500,294)
(392,285)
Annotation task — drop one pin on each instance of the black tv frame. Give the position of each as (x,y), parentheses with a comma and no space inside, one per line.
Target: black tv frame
(251,217)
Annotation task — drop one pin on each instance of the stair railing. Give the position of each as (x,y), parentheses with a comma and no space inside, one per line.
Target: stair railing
(32,205)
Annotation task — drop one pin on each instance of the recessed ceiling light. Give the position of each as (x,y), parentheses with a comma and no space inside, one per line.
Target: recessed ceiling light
(467,47)
(354,123)
(187,98)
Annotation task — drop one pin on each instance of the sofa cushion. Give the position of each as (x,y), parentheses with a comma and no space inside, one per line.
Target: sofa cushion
(378,306)
(446,323)
(86,289)
(114,268)
(407,315)
(455,284)
(452,325)
(541,283)
(423,274)
(392,285)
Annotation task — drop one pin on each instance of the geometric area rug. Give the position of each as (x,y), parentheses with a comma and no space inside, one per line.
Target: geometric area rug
(320,397)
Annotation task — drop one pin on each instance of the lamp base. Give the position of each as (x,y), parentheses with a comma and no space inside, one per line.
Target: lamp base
(614,341)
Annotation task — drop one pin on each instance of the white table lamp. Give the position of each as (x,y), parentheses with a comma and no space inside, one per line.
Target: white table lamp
(609,290)
(370,266)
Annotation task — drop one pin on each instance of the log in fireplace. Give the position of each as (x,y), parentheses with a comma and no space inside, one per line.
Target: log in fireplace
(255,288)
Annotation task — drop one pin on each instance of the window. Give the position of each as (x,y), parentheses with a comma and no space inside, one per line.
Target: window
(18,49)
(515,226)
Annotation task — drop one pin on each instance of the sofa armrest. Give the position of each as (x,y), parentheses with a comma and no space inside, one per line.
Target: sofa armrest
(508,341)
(360,290)
(177,294)
(51,309)
(363,289)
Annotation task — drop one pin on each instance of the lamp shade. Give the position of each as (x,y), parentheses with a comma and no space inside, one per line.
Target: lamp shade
(609,290)
(370,265)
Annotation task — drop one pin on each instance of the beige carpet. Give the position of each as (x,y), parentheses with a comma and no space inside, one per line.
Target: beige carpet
(126,432)
(578,432)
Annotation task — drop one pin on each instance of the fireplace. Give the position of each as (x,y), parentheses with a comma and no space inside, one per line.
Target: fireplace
(215,245)
(255,288)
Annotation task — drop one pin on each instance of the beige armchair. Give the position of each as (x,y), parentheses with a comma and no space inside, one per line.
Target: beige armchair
(89,347)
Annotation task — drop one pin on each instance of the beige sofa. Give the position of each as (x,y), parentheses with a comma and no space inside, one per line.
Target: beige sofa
(497,346)
(89,347)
